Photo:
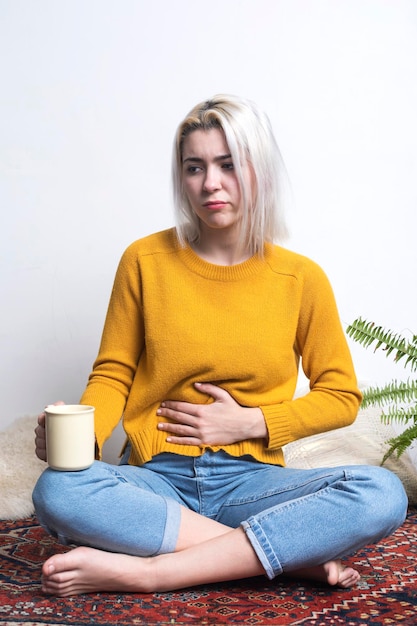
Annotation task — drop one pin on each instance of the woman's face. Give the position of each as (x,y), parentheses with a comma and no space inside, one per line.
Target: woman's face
(209,180)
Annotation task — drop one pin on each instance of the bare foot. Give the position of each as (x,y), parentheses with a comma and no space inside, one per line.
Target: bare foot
(87,570)
(333,572)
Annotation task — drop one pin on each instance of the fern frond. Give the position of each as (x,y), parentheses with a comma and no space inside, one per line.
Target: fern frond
(401,443)
(366,333)
(393,392)
(399,414)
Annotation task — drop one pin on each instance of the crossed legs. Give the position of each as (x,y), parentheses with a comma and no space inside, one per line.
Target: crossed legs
(303,531)
(206,552)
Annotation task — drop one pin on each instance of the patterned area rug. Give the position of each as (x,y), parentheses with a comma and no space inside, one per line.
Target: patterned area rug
(387,593)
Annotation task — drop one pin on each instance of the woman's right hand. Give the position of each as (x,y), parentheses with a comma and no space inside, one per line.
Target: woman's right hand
(40,436)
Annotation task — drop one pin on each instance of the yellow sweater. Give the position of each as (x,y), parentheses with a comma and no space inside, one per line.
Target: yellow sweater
(174,320)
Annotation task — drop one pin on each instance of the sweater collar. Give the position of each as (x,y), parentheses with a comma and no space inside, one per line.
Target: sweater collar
(224,273)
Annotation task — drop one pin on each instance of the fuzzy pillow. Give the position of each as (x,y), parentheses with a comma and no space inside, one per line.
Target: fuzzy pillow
(362,443)
(19,469)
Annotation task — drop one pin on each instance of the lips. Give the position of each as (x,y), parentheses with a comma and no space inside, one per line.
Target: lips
(214,205)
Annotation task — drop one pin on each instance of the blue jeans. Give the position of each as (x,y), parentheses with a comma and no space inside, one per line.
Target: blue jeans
(293,518)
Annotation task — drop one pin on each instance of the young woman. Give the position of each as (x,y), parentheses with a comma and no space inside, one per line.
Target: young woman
(207,326)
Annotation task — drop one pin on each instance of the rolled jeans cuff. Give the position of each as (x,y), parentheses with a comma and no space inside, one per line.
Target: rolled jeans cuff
(262,548)
(172,527)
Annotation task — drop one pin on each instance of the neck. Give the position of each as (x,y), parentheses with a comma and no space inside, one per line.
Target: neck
(220,248)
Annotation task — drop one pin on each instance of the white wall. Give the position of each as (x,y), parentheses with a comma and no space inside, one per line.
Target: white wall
(91,93)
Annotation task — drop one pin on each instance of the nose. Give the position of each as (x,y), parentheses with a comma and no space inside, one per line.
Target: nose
(212,180)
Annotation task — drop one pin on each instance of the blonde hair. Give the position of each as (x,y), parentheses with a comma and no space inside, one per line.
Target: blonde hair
(249,136)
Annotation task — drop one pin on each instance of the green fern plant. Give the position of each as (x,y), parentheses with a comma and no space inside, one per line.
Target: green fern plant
(400,397)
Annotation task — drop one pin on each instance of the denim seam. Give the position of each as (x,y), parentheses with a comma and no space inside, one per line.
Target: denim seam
(262,548)
(267,494)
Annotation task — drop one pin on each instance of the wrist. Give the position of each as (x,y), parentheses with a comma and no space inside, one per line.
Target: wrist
(256,424)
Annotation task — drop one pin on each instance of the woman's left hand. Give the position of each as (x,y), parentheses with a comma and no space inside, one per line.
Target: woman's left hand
(221,422)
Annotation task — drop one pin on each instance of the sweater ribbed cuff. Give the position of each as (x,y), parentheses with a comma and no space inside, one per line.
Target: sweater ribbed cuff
(278,425)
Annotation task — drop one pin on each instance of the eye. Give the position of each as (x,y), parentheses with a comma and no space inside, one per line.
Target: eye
(227,166)
(192,169)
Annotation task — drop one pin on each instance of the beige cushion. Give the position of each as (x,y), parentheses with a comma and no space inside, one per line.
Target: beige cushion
(362,443)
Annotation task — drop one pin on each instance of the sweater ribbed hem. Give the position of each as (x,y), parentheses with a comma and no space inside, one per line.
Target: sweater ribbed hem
(146,444)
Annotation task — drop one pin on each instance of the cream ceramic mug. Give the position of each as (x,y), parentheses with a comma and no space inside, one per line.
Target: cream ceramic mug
(70,442)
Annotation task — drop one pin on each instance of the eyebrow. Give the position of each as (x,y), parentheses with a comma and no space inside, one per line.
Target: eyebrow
(221,157)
